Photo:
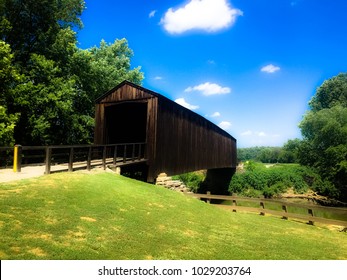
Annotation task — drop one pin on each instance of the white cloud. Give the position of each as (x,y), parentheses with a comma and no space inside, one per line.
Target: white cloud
(206,15)
(215,115)
(158,78)
(270,68)
(246,133)
(185,104)
(152,14)
(225,125)
(209,89)
(261,134)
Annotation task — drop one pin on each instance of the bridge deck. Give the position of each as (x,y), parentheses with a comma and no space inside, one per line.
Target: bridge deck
(7,175)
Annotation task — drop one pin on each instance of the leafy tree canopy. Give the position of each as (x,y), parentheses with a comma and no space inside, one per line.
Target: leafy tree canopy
(324,130)
(331,93)
(285,154)
(31,26)
(47,84)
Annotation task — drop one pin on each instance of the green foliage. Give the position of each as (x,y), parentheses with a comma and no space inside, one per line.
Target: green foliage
(244,154)
(8,76)
(274,180)
(290,151)
(286,154)
(273,190)
(324,129)
(7,125)
(251,165)
(331,93)
(45,100)
(192,180)
(101,68)
(46,81)
(33,26)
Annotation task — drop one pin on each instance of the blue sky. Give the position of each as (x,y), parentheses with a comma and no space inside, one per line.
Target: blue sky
(249,66)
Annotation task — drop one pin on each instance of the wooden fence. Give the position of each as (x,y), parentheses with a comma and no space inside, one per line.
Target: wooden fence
(70,157)
(263,208)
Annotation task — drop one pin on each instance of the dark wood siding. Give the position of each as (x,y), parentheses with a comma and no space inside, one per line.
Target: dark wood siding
(128,93)
(124,93)
(119,94)
(187,142)
(151,152)
(99,129)
(178,140)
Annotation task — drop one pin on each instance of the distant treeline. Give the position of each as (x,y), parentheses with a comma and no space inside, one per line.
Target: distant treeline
(286,154)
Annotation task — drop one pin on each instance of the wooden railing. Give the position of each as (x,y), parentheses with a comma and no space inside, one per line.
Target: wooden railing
(70,157)
(286,207)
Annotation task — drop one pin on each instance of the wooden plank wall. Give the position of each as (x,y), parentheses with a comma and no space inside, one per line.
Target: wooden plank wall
(99,127)
(150,153)
(188,142)
(178,140)
(125,93)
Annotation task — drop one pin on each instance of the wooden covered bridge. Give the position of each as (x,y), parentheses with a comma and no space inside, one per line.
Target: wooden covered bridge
(177,140)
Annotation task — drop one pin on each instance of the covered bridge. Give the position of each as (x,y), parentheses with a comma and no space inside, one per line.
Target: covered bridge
(177,139)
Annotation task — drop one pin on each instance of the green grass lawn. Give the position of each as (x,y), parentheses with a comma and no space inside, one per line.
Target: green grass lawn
(105,216)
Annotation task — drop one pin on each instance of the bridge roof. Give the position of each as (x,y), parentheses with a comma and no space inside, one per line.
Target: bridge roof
(163,98)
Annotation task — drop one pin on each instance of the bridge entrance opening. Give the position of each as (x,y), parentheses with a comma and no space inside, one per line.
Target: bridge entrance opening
(126,122)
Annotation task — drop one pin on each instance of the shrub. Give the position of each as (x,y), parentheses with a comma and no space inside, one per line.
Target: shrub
(192,180)
(251,193)
(277,179)
(238,183)
(269,192)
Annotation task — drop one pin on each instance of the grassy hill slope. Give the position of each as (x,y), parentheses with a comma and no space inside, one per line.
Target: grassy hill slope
(105,216)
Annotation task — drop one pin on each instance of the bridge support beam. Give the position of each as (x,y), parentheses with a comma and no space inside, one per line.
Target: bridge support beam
(217,181)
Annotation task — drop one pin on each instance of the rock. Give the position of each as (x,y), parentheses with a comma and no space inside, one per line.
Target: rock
(169,183)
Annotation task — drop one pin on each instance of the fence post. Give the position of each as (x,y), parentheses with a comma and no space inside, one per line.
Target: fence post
(48,160)
(310,213)
(262,205)
(71,160)
(133,154)
(89,159)
(104,157)
(125,154)
(234,204)
(115,155)
(284,208)
(17,158)
(139,157)
(208,200)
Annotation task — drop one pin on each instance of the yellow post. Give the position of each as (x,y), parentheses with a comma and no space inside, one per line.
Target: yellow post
(17,154)
(15,158)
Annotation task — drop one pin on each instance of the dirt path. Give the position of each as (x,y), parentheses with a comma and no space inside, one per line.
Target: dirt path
(7,175)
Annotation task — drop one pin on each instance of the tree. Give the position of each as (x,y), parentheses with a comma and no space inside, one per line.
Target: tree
(324,130)
(48,84)
(289,152)
(45,101)
(99,69)
(331,93)
(269,154)
(31,26)
(8,76)
(7,125)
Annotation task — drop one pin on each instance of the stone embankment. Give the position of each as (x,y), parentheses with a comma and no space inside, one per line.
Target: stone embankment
(171,184)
